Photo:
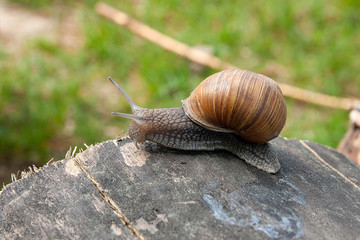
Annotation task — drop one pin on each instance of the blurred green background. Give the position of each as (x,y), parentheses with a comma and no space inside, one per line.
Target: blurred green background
(53,88)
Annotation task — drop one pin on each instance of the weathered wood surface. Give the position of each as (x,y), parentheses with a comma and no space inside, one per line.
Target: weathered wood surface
(114,191)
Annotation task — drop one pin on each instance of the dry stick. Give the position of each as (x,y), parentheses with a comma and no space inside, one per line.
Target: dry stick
(211,61)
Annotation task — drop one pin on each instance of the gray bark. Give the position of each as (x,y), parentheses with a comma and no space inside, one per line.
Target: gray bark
(114,191)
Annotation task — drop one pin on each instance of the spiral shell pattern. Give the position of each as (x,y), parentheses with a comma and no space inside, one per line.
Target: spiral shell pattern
(248,104)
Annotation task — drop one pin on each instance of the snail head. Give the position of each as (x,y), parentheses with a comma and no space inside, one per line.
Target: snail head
(140,123)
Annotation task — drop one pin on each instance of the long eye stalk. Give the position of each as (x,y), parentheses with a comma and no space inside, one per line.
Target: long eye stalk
(131,103)
(128,99)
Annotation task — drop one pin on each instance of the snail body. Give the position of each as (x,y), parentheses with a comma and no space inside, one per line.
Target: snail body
(211,118)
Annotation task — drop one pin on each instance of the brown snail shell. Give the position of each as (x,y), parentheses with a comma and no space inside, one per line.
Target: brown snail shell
(248,104)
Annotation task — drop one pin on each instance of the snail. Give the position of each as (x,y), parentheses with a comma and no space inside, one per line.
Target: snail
(234,110)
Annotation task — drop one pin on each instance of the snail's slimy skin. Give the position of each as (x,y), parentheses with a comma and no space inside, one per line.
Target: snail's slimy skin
(172,128)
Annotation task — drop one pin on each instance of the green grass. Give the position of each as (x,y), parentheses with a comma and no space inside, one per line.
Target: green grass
(52,98)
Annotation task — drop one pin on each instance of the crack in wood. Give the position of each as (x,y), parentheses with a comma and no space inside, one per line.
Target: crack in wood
(108,199)
(328,165)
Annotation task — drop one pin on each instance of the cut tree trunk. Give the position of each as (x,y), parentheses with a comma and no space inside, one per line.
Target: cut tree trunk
(350,144)
(114,191)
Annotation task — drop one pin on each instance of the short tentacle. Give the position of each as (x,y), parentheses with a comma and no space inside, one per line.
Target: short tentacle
(136,118)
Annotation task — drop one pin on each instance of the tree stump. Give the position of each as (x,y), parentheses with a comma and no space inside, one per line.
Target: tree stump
(350,144)
(114,191)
